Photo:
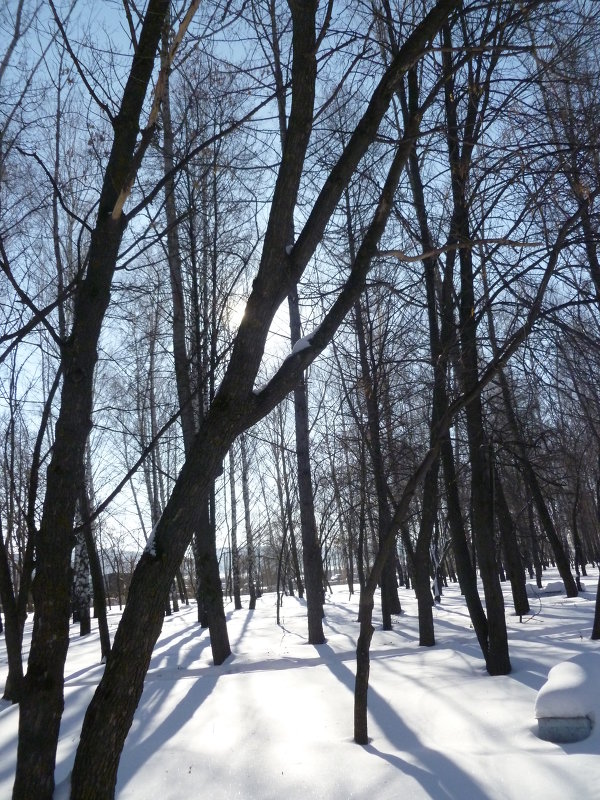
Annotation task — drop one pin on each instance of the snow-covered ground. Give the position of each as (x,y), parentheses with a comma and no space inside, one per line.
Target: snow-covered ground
(275,721)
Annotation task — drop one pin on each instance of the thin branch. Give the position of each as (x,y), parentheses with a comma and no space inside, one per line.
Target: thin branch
(193,153)
(438,251)
(24,297)
(56,188)
(131,24)
(77,64)
(131,472)
(159,91)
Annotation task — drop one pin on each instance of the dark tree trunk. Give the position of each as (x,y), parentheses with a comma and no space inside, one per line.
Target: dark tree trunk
(390,602)
(562,562)
(285,503)
(464,564)
(510,546)
(98,591)
(81,585)
(235,555)
(42,705)
(212,589)
(249,537)
(311,548)
(497,661)
(363,666)
(43,700)
(596,626)
(422,558)
(442,341)
(14,620)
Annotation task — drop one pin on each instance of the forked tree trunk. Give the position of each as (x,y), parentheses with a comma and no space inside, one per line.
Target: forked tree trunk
(442,341)
(460,153)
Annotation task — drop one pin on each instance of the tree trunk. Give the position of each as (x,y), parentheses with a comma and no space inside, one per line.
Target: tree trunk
(42,707)
(285,503)
(422,558)
(363,667)
(510,546)
(497,662)
(390,602)
(311,548)
(235,555)
(212,589)
(97,576)
(251,556)
(13,633)
(442,341)
(81,585)
(531,479)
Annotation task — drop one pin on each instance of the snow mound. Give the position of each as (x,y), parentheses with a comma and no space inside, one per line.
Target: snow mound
(554,587)
(567,704)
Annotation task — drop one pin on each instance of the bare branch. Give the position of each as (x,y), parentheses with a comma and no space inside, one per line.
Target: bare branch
(159,91)
(438,251)
(77,63)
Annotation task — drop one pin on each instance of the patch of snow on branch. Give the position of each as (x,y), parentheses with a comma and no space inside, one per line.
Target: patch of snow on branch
(305,342)
(302,344)
(151,543)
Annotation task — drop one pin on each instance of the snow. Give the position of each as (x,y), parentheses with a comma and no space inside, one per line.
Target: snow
(572,689)
(150,547)
(275,721)
(301,344)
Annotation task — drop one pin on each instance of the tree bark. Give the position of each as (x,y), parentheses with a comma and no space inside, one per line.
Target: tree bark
(212,589)
(422,558)
(251,555)
(98,590)
(442,342)
(13,633)
(43,700)
(510,546)
(235,555)
(311,548)
(498,661)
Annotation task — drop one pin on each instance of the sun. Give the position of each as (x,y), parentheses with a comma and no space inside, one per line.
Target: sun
(235,312)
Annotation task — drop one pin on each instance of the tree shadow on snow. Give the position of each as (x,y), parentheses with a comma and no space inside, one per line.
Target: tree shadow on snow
(439,776)
(139,747)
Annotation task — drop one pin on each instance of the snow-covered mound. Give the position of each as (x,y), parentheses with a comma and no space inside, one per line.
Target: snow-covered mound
(568,703)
